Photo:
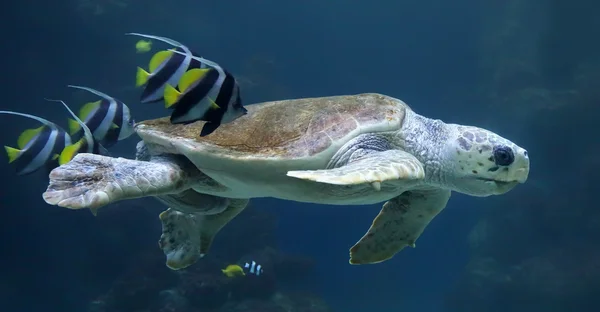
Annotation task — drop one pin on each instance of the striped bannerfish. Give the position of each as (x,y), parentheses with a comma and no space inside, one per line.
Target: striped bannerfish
(166,68)
(209,94)
(109,119)
(87,143)
(206,92)
(37,148)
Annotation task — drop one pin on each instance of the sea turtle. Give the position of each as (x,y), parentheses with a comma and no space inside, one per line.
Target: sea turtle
(339,150)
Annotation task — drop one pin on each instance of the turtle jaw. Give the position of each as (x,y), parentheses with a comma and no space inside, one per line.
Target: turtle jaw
(500,187)
(482,187)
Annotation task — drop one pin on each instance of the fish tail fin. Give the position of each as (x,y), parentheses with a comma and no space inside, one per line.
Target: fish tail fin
(73,126)
(69,152)
(141,77)
(171,95)
(12,153)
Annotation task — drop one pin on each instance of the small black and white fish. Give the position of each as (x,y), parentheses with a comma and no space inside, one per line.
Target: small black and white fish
(166,67)
(87,143)
(37,148)
(253,268)
(109,119)
(209,94)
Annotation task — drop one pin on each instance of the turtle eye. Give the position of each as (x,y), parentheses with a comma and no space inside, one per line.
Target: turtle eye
(503,155)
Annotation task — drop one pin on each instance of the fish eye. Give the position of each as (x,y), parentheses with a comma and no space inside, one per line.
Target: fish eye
(503,155)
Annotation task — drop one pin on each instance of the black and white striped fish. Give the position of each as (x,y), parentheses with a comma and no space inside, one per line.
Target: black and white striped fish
(209,94)
(253,268)
(166,68)
(206,91)
(109,119)
(37,148)
(87,143)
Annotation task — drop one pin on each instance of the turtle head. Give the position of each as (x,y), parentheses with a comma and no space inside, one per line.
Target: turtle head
(482,163)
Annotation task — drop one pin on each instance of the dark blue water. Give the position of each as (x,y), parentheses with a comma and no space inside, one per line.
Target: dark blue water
(527,71)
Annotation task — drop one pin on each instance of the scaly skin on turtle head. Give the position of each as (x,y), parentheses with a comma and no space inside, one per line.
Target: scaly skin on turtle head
(484,163)
(466,159)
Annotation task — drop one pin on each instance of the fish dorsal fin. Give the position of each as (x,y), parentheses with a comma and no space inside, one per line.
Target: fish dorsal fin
(94,91)
(192,76)
(73,126)
(88,108)
(200,59)
(40,119)
(158,59)
(88,136)
(27,136)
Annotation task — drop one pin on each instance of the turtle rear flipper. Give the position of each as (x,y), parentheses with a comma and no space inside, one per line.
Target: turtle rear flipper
(187,237)
(92,181)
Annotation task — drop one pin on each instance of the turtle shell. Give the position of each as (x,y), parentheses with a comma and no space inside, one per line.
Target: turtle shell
(288,129)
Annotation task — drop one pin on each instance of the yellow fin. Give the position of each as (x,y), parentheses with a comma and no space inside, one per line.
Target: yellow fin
(228,274)
(27,136)
(73,126)
(141,77)
(55,157)
(69,152)
(171,95)
(114,126)
(213,105)
(191,76)
(87,109)
(159,58)
(12,153)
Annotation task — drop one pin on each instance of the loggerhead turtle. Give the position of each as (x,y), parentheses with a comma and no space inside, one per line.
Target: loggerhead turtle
(340,150)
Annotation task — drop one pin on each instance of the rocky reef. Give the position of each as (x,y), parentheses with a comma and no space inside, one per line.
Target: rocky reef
(149,286)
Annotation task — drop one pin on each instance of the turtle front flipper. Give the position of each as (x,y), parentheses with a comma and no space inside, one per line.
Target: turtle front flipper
(374,168)
(92,181)
(399,224)
(187,237)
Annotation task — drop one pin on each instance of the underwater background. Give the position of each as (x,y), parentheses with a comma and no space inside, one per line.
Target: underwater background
(527,70)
